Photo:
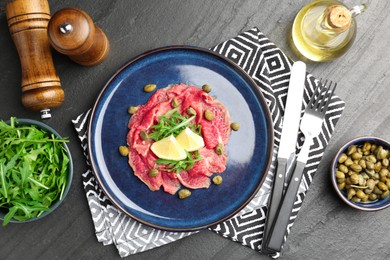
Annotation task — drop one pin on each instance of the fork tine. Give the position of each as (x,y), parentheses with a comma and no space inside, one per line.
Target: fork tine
(313,97)
(322,90)
(325,95)
(329,97)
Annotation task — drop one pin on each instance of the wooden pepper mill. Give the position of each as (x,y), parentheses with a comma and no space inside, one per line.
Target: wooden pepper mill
(41,86)
(73,33)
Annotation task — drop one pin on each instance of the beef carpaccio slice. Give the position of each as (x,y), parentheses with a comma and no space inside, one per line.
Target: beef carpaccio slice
(216,131)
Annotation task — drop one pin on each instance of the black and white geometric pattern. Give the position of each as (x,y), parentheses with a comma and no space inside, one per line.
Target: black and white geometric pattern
(270,69)
(111,225)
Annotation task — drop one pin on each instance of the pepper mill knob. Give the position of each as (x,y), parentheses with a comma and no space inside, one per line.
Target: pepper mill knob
(72,32)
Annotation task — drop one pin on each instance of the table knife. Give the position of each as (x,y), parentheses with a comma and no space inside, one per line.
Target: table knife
(286,153)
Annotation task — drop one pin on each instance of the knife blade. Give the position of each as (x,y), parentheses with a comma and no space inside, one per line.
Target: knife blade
(286,153)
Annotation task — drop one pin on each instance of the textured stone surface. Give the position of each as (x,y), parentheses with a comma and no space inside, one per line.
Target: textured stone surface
(325,228)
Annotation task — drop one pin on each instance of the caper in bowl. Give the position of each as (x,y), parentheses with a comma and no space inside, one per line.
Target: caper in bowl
(360,173)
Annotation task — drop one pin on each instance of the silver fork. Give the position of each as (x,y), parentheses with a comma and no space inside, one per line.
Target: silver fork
(310,126)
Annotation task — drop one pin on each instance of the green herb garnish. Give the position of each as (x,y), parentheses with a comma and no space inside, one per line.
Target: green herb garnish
(172,123)
(33,170)
(178,166)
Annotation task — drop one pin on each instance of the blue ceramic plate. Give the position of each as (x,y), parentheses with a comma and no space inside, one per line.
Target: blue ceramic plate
(249,149)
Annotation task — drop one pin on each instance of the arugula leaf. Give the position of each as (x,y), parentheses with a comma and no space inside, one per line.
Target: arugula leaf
(33,170)
(2,178)
(172,122)
(178,166)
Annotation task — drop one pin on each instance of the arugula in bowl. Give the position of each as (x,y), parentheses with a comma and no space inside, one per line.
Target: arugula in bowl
(35,170)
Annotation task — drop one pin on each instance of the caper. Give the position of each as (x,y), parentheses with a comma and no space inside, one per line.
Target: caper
(356,167)
(383,172)
(372,196)
(208,115)
(340,180)
(369,165)
(362,181)
(365,198)
(356,156)
(371,158)
(351,149)
(132,109)
(343,157)
(365,175)
(217,180)
(370,184)
(363,164)
(388,183)
(123,150)
(340,175)
(356,199)
(341,186)
(235,126)
(366,147)
(191,111)
(348,162)
(144,135)
(376,176)
(354,178)
(377,191)
(367,191)
(384,154)
(381,153)
(385,162)
(373,147)
(150,87)
(184,193)
(175,102)
(206,88)
(377,166)
(350,193)
(153,172)
(385,194)
(370,173)
(219,149)
(343,168)
(382,186)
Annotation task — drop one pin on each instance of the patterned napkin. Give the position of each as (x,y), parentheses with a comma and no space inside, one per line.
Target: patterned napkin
(270,69)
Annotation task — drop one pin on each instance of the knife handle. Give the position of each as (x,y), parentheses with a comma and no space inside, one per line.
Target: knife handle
(280,225)
(276,198)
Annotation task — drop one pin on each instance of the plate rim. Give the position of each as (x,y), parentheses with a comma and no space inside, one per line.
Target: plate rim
(255,88)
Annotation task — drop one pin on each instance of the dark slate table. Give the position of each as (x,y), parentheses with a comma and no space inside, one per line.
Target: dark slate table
(325,229)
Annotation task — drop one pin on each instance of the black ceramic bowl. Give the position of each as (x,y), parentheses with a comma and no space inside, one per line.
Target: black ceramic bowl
(366,206)
(56,203)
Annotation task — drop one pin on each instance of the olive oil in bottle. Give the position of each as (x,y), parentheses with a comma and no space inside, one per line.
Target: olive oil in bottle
(324,29)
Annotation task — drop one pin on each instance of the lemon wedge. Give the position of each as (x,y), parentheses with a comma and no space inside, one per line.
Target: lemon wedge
(169,148)
(189,140)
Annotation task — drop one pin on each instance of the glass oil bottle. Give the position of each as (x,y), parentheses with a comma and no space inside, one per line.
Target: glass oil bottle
(324,30)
